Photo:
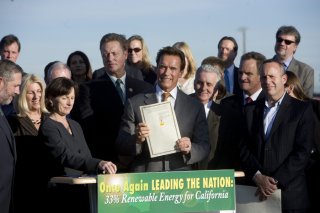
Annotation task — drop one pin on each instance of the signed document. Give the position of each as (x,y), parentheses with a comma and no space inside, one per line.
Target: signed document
(163,125)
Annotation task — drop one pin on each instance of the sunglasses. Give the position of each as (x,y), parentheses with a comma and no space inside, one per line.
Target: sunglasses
(136,50)
(287,42)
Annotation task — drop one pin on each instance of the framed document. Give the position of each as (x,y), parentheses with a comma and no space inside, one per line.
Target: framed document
(163,125)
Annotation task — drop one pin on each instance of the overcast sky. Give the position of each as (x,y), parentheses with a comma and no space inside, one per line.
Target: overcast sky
(51,30)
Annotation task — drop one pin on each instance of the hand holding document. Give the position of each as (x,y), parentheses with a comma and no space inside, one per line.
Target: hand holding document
(163,126)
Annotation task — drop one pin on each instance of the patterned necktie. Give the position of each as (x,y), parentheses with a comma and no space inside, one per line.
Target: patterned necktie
(165,96)
(226,80)
(119,90)
(248,100)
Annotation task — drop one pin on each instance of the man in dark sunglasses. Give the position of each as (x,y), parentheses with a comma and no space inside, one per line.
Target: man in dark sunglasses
(287,41)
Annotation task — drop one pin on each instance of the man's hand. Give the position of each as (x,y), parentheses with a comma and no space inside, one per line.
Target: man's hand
(142,132)
(184,145)
(108,167)
(266,186)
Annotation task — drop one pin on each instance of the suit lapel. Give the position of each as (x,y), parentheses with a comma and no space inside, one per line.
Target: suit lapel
(282,112)
(150,97)
(5,128)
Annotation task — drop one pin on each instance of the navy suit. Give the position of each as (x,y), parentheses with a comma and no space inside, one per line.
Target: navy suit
(99,109)
(285,154)
(7,164)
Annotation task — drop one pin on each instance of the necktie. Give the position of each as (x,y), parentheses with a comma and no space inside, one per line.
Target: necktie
(226,80)
(248,100)
(165,96)
(119,90)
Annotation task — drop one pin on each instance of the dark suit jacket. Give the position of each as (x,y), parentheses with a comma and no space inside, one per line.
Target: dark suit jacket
(230,131)
(69,154)
(236,86)
(99,109)
(285,154)
(30,163)
(191,121)
(7,164)
(305,73)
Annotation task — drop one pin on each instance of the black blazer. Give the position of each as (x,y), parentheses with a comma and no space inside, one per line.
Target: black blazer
(230,132)
(98,109)
(285,154)
(236,87)
(69,154)
(7,164)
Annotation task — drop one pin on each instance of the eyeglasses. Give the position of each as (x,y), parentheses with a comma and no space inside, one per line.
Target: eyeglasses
(287,42)
(136,50)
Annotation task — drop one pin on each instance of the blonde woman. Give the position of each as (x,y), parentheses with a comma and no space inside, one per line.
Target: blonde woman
(138,57)
(185,82)
(31,111)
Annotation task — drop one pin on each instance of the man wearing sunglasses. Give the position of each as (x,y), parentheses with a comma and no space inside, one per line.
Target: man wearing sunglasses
(287,41)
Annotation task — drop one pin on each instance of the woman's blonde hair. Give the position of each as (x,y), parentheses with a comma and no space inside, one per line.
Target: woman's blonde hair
(21,104)
(146,62)
(184,47)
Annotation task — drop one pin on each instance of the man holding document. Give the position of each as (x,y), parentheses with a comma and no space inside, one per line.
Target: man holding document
(163,128)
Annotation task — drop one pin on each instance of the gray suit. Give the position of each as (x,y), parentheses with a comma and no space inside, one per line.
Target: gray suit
(305,73)
(192,123)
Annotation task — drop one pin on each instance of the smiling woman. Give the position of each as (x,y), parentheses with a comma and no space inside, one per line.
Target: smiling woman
(31,111)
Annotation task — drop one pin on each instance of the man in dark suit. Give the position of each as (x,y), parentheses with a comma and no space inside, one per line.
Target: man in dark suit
(231,112)
(287,41)
(192,147)
(227,51)
(100,104)
(10,80)
(278,141)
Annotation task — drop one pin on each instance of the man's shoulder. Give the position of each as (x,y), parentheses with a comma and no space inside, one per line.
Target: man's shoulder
(301,65)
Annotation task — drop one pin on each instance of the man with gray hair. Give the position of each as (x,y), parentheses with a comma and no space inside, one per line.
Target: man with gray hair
(205,86)
(10,80)
(56,70)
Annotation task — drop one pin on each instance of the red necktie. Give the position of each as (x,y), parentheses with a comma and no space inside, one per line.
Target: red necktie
(248,100)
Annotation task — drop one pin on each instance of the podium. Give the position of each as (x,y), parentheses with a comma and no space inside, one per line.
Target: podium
(91,182)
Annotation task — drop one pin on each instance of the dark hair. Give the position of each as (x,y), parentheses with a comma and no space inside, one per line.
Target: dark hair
(8,40)
(289,30)
(46,70)
(86,61)
(58,87)
(174,52)
(115,37)
(235,48)
(258,57)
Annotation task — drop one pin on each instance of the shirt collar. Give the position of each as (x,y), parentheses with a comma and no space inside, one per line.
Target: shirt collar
(114,79)
(159,92)
(276,103)
(254,96)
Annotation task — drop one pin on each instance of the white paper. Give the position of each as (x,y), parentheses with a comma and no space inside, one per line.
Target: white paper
(163,125)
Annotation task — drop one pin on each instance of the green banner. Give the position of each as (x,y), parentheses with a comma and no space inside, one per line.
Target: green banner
(185,191)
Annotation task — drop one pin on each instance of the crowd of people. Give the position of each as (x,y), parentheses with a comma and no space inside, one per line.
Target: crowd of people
(259,118)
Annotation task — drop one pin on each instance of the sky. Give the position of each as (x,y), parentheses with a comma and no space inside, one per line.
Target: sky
(51,30)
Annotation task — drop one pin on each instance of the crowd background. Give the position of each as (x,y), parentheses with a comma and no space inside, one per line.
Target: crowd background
(47,36)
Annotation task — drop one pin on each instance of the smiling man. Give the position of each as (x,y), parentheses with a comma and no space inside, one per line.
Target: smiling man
(206,89)
(193,145)
(287,41)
